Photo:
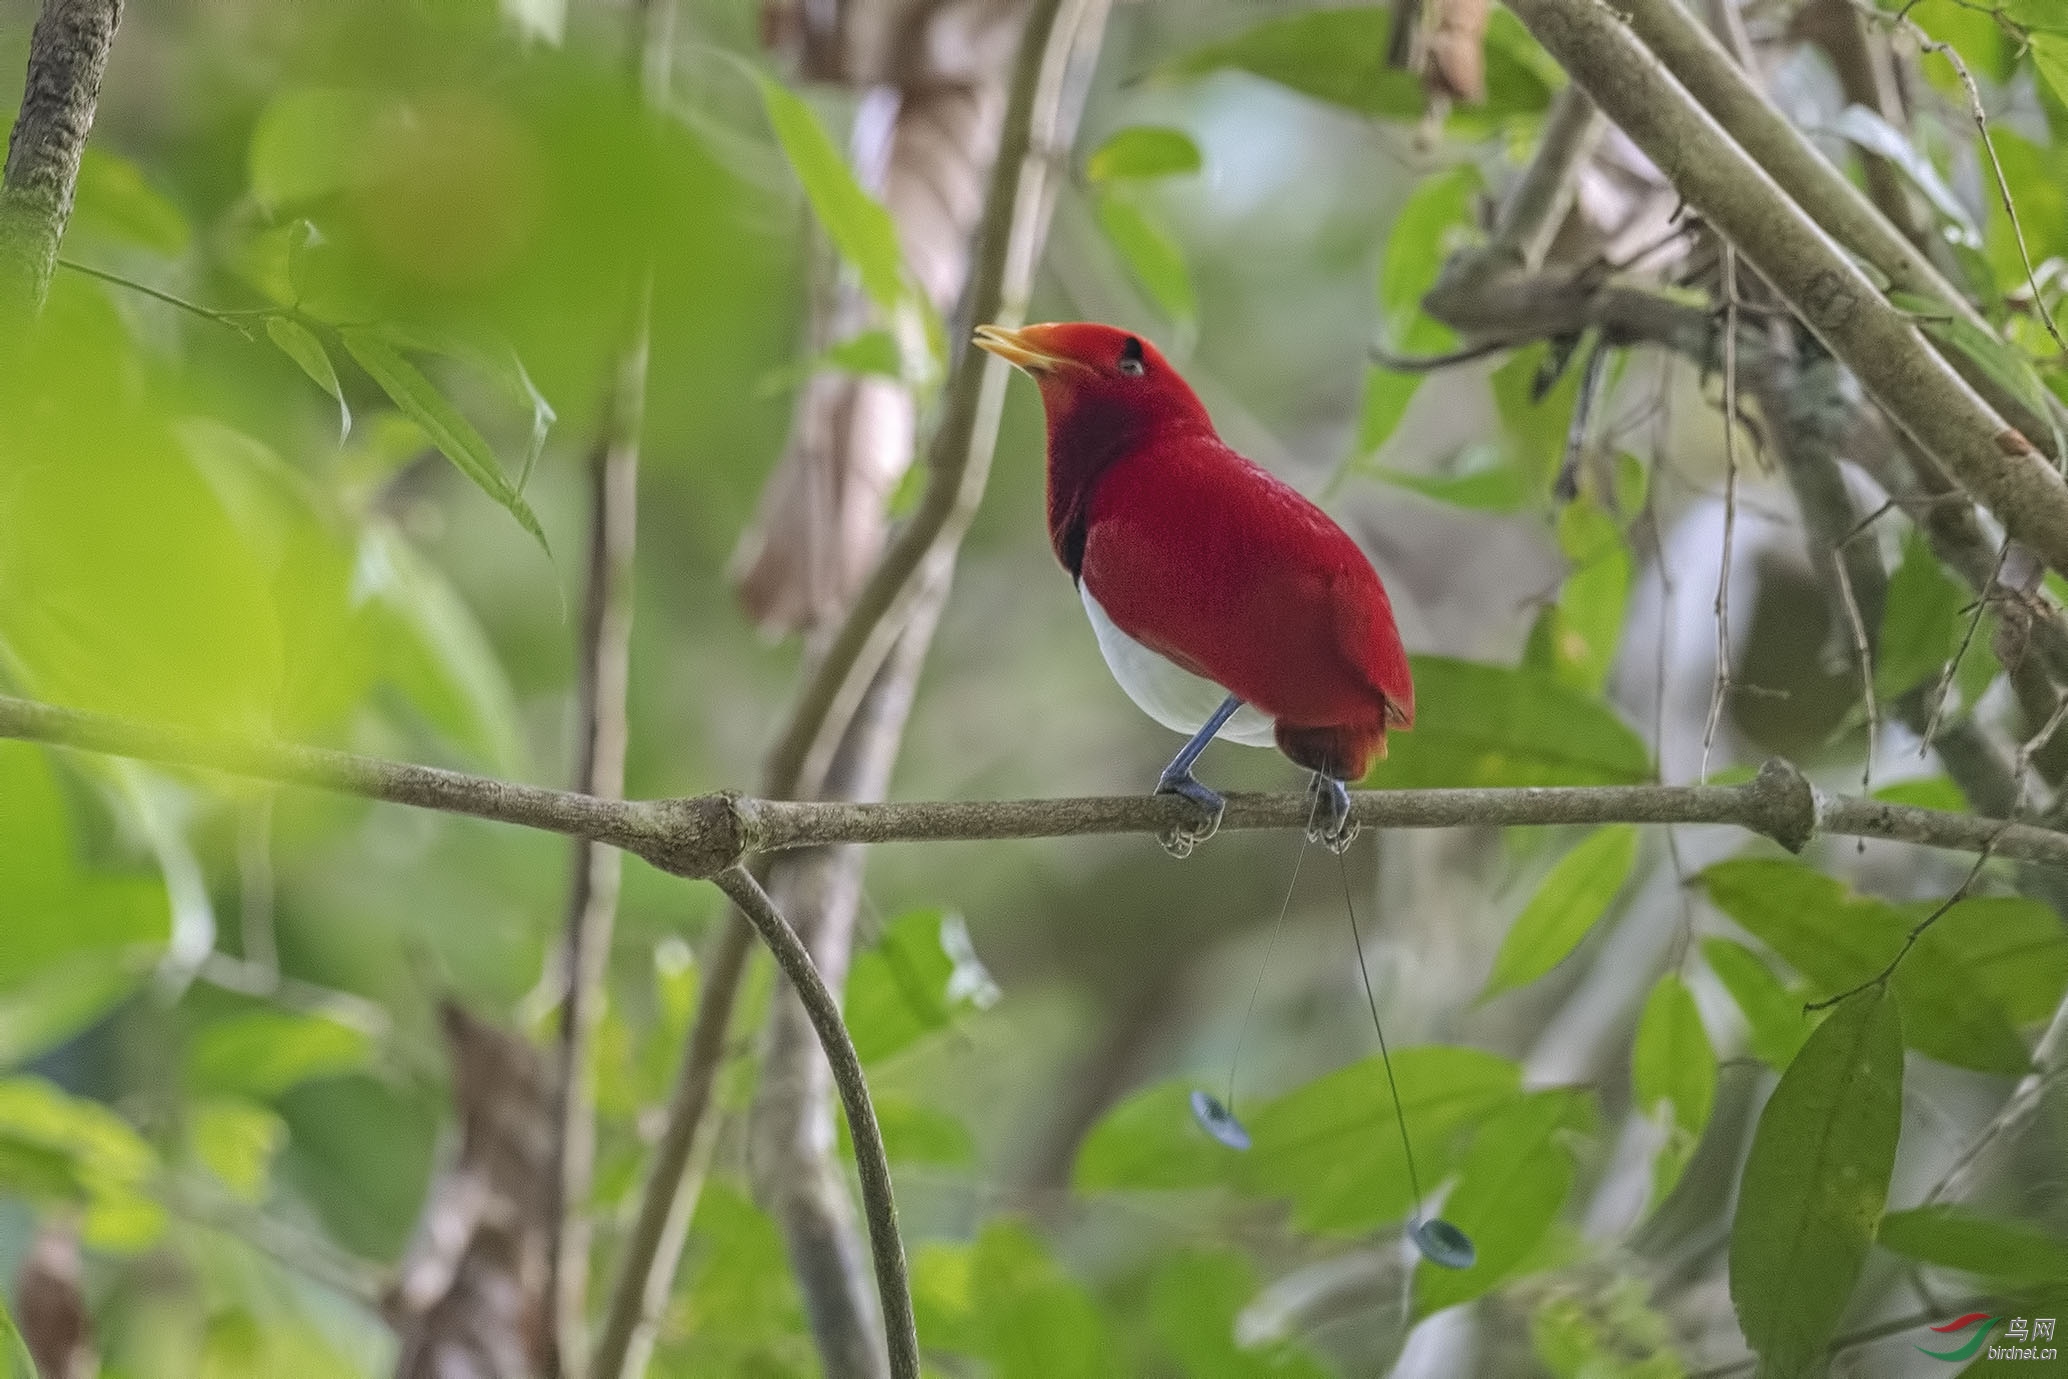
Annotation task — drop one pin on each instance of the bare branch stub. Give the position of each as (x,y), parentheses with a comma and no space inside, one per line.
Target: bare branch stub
(67,54)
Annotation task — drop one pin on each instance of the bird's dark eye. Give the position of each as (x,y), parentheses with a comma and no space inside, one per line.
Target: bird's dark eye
(1131,362)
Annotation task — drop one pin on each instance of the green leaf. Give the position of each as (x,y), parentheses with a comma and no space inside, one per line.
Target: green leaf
(1777,1020)
(870,352)
(1386,397)
(1155,259)
(1483,478)
(58,1147)
(1338,56)
(262,1053)
(1921,626)
(1151,1140)
(298,343)
(451,432)
(1143,151)
(237,1140)
(1482,725)
(1815,1183)
(2005,363)
(68,995)
(15,1362)
(1610,1332)
(114,199)
(1926,792)
(435,651)
(1857,124)
(2013,949)
(1571,898)
(1033,1321)
(1838,940)
(1957,1237)
(1583,629)
(310,142)
(1673,1065)
(1431,223)
(1331,1146)
(919,977)
(855,221)
(69,931)
(1511,1185)
(2050,57)
(1195,1301)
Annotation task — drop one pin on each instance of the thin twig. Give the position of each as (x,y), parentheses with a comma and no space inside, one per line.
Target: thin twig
(1975,112)
(872,1164)
(1967,638)
(233,319)
(1852,1340)
(1917,931)
(1721,689)
(1432,363)
(1862,652)
(603,683)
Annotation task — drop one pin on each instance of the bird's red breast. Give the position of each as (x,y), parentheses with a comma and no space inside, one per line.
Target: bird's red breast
(1206,558)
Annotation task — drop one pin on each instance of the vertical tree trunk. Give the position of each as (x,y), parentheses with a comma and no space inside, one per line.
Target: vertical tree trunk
(67,55)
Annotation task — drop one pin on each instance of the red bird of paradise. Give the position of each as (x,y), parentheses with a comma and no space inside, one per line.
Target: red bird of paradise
(1224,601)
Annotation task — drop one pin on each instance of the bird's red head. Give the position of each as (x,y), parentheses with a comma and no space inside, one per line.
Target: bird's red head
(1107,393)
(1087,368)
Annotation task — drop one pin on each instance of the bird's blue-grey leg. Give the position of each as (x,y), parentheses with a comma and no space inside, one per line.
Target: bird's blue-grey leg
(1177,779)
(1332,827)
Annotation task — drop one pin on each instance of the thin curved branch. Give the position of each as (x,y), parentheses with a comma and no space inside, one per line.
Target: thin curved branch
(872,1163)
(701,836)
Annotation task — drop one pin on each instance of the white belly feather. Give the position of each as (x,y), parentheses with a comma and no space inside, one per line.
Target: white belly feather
(1173,696)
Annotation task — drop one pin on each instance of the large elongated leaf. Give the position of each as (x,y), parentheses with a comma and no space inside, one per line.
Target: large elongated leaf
(1151,254)
(1673,1068)
(1838,940)
(1572,896)
(1482,725)
(854,220)
(1338,56)
(1332,1146)
(15,1362)
(448,429)
(1815,1184)
(1511,1185)
(1956,1237)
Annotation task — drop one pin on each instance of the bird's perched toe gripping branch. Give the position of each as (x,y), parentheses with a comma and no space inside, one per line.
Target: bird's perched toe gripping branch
(1224,601)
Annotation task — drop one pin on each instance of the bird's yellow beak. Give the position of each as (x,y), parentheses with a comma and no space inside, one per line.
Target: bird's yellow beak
(1019,349)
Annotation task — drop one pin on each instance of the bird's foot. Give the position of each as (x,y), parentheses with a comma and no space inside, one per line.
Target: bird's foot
(1332,826)
(1179,840)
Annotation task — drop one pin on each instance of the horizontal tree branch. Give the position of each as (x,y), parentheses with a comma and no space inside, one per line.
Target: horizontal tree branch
(702,836)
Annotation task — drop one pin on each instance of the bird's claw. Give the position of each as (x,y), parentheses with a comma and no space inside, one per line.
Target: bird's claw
(1333,827)
(1179,840)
